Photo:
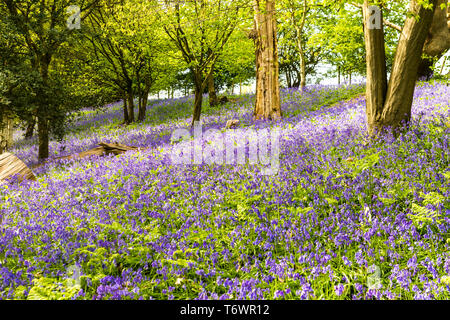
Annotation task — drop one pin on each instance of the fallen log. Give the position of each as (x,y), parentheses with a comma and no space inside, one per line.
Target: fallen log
(231,123)
(103,149)
(116,148)
(11,165)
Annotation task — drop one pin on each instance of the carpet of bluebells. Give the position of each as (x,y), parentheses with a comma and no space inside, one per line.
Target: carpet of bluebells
(346,217)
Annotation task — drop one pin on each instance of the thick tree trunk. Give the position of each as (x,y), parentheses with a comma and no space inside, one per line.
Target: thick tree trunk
(6,132)
(30,128)
(43,137)
(399,97)
(213,101)
(436,43)
(143,104)
(425,70)
(267,70)
(126,120)
(389,107)
(130,106)
(197,107)
(198,99)
(376,85)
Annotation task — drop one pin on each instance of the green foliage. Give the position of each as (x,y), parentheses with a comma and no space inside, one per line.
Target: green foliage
(236,63)
(432,198)
(52,289)
(34,45)
(290,23)
(422,216)
(358,165)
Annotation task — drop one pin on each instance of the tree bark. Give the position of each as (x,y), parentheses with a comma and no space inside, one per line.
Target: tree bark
(399,97)
(6,132)
(267,104)
(43,137)
(389,107)
(200,84)
(436,43)
(288,78)
(130,105)
(143,104)
(425,70)
(197,107)
(213,101)
(301,51)
(339,75)
(126,120)
(30,128)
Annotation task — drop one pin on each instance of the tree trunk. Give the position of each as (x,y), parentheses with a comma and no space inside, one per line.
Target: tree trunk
(6,132)
(126,120)
(213,101)
(389,107)
(198,100)
(200,83)
(143,103)
(288,78)
(376,85)
(399,97)
(298,78)
(425,70)
(302,68)
(436,43)
(339,75)
(267,104)
(301,51)
(30,128)
(43,137)
(130,105)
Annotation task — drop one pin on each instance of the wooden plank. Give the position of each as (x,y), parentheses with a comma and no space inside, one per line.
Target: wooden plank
(11,165)
(103,149)
(116,146)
